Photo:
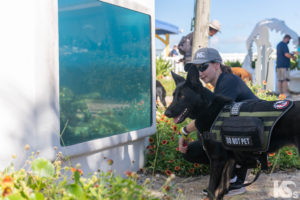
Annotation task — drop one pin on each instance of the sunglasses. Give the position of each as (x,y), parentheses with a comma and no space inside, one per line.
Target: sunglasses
(203,67)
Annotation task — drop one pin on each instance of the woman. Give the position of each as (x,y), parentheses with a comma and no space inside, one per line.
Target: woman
(211,70)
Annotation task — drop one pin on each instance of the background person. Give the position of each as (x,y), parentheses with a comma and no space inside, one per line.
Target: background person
(174,51)
(283,65)
(186,42)
(298,52)
(211,70)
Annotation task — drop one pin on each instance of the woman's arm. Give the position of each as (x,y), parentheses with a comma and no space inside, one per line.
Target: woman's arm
(182,142)
(191,127)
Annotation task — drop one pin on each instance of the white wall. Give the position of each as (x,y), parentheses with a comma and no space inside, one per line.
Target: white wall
(29,91)
(28,78)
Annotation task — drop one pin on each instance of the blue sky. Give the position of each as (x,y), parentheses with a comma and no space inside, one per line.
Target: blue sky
(238,19)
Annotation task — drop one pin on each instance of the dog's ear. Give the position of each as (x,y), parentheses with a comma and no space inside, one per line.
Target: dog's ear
(177,78)
(193,76)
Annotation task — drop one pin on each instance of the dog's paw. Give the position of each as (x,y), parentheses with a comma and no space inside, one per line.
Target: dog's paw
(206,198)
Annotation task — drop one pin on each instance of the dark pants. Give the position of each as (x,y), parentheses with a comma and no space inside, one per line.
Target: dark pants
(196,154)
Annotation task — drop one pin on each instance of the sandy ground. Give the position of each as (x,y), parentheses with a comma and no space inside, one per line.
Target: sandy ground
(267,187)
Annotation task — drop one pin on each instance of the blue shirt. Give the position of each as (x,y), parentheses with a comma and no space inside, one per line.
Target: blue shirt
(298,57)
(232,86)
(282,60)
(173,53)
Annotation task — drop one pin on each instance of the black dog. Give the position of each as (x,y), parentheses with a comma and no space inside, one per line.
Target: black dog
(161,93)
(191,99)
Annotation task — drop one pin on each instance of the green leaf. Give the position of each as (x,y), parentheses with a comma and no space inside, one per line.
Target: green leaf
(76,177)
(37,196)
(75,191)
(43,167)
(16,196)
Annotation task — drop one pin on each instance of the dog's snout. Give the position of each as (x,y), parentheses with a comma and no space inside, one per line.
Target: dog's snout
(168,113)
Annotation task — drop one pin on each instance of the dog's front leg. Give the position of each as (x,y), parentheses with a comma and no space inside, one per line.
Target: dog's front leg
(225,179)
(216,169)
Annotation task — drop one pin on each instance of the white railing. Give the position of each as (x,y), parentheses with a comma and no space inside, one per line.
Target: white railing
(177,66)
(232,57)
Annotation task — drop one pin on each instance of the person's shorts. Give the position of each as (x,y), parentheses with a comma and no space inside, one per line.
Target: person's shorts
(283,74)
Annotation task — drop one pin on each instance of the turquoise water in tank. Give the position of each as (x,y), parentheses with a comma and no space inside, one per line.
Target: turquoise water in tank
(104,70)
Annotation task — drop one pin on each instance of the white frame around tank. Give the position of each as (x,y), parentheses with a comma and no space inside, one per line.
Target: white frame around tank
(96,145)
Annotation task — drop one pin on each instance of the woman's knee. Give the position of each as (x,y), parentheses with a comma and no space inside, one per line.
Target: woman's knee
(196,153)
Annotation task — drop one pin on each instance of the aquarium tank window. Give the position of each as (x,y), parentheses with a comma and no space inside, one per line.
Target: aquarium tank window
(104,70)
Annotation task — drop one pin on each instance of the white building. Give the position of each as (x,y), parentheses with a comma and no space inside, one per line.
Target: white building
(45,43)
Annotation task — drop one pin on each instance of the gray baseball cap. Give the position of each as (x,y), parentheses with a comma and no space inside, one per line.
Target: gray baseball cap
(204,55)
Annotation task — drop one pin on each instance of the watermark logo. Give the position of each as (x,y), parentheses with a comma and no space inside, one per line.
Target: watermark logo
(285,189)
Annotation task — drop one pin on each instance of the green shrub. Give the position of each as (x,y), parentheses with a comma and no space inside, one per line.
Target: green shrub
(41,179)
(294,63)
(261,93)
(286,158)
(163,67)
(233,63)
(162,152)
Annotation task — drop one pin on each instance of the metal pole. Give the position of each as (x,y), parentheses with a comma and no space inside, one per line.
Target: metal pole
(200,38)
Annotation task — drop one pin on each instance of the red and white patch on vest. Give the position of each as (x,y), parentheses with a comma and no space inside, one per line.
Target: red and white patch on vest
(281,104)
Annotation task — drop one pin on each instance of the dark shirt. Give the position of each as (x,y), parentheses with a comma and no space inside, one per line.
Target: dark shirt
(185,47)
(232,86)
(282,60)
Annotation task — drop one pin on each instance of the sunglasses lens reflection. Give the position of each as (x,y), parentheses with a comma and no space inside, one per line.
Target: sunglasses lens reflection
(203,67)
